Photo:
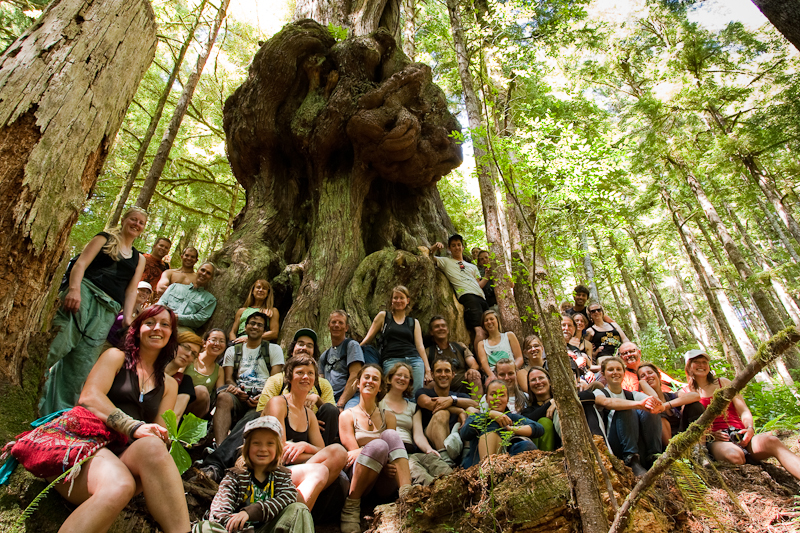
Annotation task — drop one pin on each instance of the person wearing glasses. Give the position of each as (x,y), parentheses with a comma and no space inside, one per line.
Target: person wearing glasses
(189,346)
(606,337)
(247,366)
(466,281)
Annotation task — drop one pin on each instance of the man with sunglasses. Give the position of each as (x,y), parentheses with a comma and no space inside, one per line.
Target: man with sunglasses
(466,281)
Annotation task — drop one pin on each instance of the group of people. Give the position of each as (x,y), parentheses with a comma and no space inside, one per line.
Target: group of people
(305,437)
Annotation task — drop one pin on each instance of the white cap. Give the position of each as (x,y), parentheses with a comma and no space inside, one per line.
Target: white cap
(145,285)
(692,354)
(264,422)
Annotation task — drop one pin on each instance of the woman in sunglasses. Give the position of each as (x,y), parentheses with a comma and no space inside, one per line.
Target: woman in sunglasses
(606,337)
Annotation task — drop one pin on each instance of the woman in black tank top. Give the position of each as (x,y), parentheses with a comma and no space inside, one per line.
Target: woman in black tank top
(314,466)
(401,338)
(130,392)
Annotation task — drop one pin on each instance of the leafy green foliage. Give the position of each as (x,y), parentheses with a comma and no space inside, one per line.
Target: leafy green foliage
(191,430)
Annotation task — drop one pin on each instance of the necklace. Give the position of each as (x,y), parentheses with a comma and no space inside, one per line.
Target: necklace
(369,416)
(142,386)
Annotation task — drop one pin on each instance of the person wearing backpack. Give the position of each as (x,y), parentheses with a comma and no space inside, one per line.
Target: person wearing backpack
(401,338)
(247,366)
(631,419)
(341,363)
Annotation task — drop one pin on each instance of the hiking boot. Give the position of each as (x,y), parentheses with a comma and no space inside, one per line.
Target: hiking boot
(453,446)
(351,516)
(212,472)
(404,490)
(632,462)
(445,456)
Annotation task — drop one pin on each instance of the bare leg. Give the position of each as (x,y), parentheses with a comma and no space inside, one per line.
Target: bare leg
(202,405)
(488,444)
(310,480)
(438,429)
(154,469)
(363,479)
(101,491)
(403,475)
(222,416)
(765,446)
(334,458)
(727,451)
(666,432)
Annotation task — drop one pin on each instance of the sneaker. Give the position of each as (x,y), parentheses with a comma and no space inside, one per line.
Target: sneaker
(404,490)
(453,446)
(632,462)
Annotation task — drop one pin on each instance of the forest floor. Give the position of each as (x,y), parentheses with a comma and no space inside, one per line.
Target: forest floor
(531,494)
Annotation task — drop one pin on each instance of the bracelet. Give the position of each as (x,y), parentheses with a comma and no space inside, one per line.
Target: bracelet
(121,422)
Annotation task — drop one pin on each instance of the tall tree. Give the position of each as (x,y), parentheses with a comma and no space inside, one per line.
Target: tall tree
(784,15)
(164,148)
(130,179)
(64,87)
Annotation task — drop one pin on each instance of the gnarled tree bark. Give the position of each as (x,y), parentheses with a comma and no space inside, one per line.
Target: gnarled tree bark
(65,85)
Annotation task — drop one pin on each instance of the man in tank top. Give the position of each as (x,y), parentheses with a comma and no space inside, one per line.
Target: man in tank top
(184,275)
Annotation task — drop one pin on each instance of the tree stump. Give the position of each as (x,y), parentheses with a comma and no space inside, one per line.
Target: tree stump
(339,146)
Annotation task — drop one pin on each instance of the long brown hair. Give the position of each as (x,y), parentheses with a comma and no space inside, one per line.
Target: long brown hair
(268,301)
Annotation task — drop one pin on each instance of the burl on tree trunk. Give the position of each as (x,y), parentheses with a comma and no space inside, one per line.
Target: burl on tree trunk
(339,146)
(64,88)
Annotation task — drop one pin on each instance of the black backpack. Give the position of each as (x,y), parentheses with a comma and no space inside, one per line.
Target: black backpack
(340,365)
(238,351)
(605,412)
(409,322)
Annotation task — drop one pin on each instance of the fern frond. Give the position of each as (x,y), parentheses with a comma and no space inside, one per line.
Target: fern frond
(28,512)
(694,490)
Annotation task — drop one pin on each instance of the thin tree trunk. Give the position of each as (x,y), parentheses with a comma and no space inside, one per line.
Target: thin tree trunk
(612,286)
(694,325)
(588,268)
(778,228)
(160,160)
(410,28)
(65,85)
(660,307)
(505,298)
(633,295)
(760,179)
(130,179)
(725,319)
(761,298)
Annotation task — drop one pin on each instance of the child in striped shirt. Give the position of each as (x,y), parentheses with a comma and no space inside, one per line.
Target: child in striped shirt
(260,498)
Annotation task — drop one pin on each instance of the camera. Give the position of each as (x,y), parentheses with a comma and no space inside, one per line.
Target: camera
(734,434)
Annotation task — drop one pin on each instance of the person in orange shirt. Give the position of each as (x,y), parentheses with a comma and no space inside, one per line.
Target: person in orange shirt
(632,355)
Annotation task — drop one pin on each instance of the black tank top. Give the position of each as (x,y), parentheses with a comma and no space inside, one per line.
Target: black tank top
(112,277)
(605,342)
(398,339)
(291,434)
(124,393)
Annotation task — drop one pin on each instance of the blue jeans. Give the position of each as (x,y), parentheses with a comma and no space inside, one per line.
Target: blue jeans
(417,369)
(636,432)
(352,402)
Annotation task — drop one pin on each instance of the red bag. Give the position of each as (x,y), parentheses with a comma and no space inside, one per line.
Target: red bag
(56,446)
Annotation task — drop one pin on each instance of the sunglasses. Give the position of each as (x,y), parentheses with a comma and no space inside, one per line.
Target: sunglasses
(595,310)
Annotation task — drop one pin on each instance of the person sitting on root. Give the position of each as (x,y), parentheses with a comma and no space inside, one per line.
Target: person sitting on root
(261,494)
(466,371)
(582,359)
(541,408)
(734,438)
(441,410)
(259,299)
(517,399)
(188,349)
(424,461)
(498,345)
(578,340)
(631,419)
(341,363)
(485,427)
(314,465)
(129,391)
(401,337)
(376,457)
(679,411)
(207,376)
(533,352)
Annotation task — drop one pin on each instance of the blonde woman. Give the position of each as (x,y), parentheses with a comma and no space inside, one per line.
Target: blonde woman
(260,298)
(102,281)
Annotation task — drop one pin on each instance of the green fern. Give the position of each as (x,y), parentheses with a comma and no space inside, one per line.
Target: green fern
(28,512)
(694,489)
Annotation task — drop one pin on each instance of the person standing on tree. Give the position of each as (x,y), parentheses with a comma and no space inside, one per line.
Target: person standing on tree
(341,363)
(154,264)
(185,274)
(466,281)
(260,298)
(102,280)
(401,337)
(465,367)
(193,304)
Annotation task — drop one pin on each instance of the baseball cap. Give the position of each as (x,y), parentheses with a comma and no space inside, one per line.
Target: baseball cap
(264,422)
(308,333)
(145,285)
(691,354)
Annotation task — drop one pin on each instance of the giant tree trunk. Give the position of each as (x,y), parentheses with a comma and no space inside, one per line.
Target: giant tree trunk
(130,179)
(784,15)
(65,85)
(339,147)
(160,159)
